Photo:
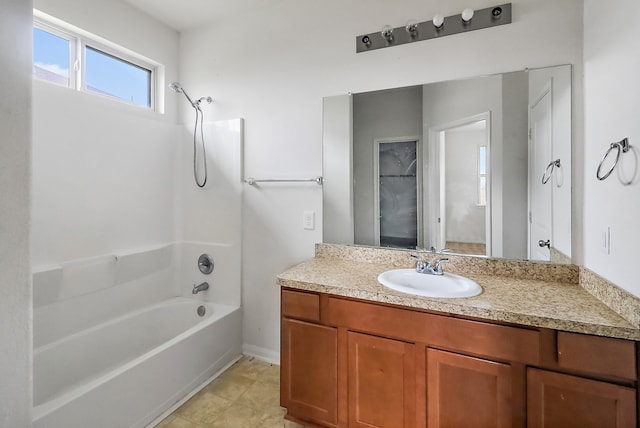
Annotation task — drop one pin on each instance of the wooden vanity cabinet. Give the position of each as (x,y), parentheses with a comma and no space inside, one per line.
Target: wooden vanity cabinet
(351,363)
(465,391)
(309,361)
(561,400)
(381,382)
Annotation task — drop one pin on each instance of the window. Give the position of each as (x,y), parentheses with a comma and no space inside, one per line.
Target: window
(73,58)
(52,56)
(109,75)
(482,175)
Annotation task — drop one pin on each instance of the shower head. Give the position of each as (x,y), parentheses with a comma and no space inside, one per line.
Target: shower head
(176,87)
(179,89)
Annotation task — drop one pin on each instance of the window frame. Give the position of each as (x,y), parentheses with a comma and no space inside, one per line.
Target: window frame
(79,40)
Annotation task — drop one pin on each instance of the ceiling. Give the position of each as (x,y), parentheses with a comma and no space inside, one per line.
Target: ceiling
(184,14)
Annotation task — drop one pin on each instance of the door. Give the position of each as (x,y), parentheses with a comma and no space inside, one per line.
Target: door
(467,392)
(309,375)
(398,195)
(381,382)
(559,400)
(540,154)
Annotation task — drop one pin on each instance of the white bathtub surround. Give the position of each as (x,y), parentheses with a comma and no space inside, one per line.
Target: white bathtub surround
(213,213)
(95,345)
(223,281)
(128,371)
(88,292)
(209,219)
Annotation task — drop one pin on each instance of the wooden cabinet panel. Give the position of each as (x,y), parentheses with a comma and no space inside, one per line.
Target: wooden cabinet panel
(309,371)
(381,382)
(599,355)
(495,341)
(559,400)
(467,392)
(296,304)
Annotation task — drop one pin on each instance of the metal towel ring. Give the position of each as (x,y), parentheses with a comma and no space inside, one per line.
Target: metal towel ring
(622,147)
(548,172)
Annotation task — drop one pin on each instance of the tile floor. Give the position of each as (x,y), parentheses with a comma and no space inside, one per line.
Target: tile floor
(247,395)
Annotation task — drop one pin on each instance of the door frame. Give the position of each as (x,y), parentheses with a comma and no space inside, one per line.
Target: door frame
(547,89)
(376,185)
(435,155)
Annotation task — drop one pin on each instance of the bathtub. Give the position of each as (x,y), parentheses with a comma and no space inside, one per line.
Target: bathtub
(127,371)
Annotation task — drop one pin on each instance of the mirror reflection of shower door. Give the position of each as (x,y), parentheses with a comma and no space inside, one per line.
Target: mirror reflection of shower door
(398,199)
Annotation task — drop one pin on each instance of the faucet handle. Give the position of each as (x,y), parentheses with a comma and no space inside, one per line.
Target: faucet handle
(421,264)
(437,268)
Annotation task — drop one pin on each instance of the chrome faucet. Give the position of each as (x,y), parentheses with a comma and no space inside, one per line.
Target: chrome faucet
(200,287)
(427,268)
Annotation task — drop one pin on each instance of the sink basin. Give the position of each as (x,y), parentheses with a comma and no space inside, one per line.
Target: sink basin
(421,284)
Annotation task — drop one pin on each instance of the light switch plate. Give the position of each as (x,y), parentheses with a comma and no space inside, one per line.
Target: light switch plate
(605,240)
(309,220)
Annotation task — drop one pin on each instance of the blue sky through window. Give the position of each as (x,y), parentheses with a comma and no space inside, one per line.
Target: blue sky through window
(107,74)
(50,57)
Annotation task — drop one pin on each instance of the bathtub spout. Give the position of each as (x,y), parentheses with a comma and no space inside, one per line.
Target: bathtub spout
(200,287)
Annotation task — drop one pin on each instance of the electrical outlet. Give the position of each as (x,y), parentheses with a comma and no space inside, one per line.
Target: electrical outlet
(605,241)
(309,220)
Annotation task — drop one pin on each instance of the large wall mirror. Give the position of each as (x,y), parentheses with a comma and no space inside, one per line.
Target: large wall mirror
(478,166)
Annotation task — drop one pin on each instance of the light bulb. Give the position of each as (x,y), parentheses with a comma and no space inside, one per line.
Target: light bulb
(412,27)
(438,21)
(467,14)
(387,32)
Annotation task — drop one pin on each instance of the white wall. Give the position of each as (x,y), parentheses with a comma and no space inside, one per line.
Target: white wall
(515,148)
(393,113)
(15,171)
(264,67)
(103,170)
(611,88)
(337,170)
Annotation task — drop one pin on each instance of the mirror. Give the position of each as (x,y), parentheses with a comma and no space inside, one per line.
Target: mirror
(478,166)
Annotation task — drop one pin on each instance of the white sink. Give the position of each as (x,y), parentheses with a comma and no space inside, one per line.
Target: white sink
(422,284)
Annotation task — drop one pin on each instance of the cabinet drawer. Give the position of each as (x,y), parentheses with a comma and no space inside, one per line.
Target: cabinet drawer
(297,304)
(598,355)
(474,337)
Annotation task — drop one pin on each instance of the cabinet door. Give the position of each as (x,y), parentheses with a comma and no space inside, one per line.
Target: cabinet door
(309,371)
(559,400)
(381,382)
(467,392)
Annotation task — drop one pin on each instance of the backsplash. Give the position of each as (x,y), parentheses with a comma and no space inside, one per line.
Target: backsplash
(621,301)
(462,265)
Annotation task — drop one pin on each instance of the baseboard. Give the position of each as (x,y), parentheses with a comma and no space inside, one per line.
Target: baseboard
(193,392)
(260,353)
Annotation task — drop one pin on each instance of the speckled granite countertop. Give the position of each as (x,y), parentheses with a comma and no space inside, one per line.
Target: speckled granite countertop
(549,303)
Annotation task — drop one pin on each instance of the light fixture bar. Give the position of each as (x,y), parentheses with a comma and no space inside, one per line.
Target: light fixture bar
(454,24)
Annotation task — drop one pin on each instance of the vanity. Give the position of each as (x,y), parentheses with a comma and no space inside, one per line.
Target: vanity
(533,349)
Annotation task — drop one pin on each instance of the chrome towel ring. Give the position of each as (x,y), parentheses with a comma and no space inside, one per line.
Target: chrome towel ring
(548,172)
(620,147)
